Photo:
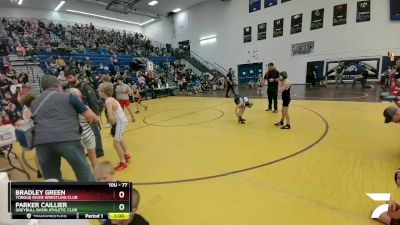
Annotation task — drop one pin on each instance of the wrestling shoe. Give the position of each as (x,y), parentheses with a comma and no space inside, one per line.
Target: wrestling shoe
(121,166)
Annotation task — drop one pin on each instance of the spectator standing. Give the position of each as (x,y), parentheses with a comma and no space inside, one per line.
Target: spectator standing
(26,100)
(57,131)
(90,99)
(339,75)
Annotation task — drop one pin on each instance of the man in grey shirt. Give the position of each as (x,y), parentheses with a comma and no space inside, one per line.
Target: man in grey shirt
(339,74)
(57,131)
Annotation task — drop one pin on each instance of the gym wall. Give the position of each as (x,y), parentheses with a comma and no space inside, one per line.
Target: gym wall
(226,20)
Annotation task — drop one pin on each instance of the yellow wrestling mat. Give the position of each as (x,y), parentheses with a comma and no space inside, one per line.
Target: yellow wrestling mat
(195,165)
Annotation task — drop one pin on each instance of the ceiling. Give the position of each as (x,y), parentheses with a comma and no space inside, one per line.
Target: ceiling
(165,6)
(162,8)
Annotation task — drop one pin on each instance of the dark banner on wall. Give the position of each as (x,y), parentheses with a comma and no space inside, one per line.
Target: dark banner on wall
(315,71)
(269,3)
(317,19)
(363,11)
(296,23)
(278,28)
(394,9)
(184,47)
(247,34)
(353,68)
(254,5)
(283,1)
(262,31)
(339,14)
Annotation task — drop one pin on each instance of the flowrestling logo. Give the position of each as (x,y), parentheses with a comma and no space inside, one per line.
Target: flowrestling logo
(379,197)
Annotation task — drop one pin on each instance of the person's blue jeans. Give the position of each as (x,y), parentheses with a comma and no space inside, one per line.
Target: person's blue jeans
(99,145)
(49,157)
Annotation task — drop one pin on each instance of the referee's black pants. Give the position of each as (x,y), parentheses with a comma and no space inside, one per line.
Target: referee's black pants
(272,97)
(230,87)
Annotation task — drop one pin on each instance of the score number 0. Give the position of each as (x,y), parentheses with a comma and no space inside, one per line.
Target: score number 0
(121,195)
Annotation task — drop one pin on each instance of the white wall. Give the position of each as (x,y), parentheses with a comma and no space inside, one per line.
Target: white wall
(182,26)
(161,30)
(71,17)
(227,20)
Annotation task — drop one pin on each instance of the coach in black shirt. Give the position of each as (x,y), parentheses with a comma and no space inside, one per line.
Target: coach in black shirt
(272,77)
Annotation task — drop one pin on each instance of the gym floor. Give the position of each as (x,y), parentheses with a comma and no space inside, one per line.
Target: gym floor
(194,164)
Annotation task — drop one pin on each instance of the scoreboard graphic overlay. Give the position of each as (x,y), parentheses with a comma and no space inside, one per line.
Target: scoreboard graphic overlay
(72,200)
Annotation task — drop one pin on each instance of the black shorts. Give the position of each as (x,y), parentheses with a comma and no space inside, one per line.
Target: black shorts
(285,102)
